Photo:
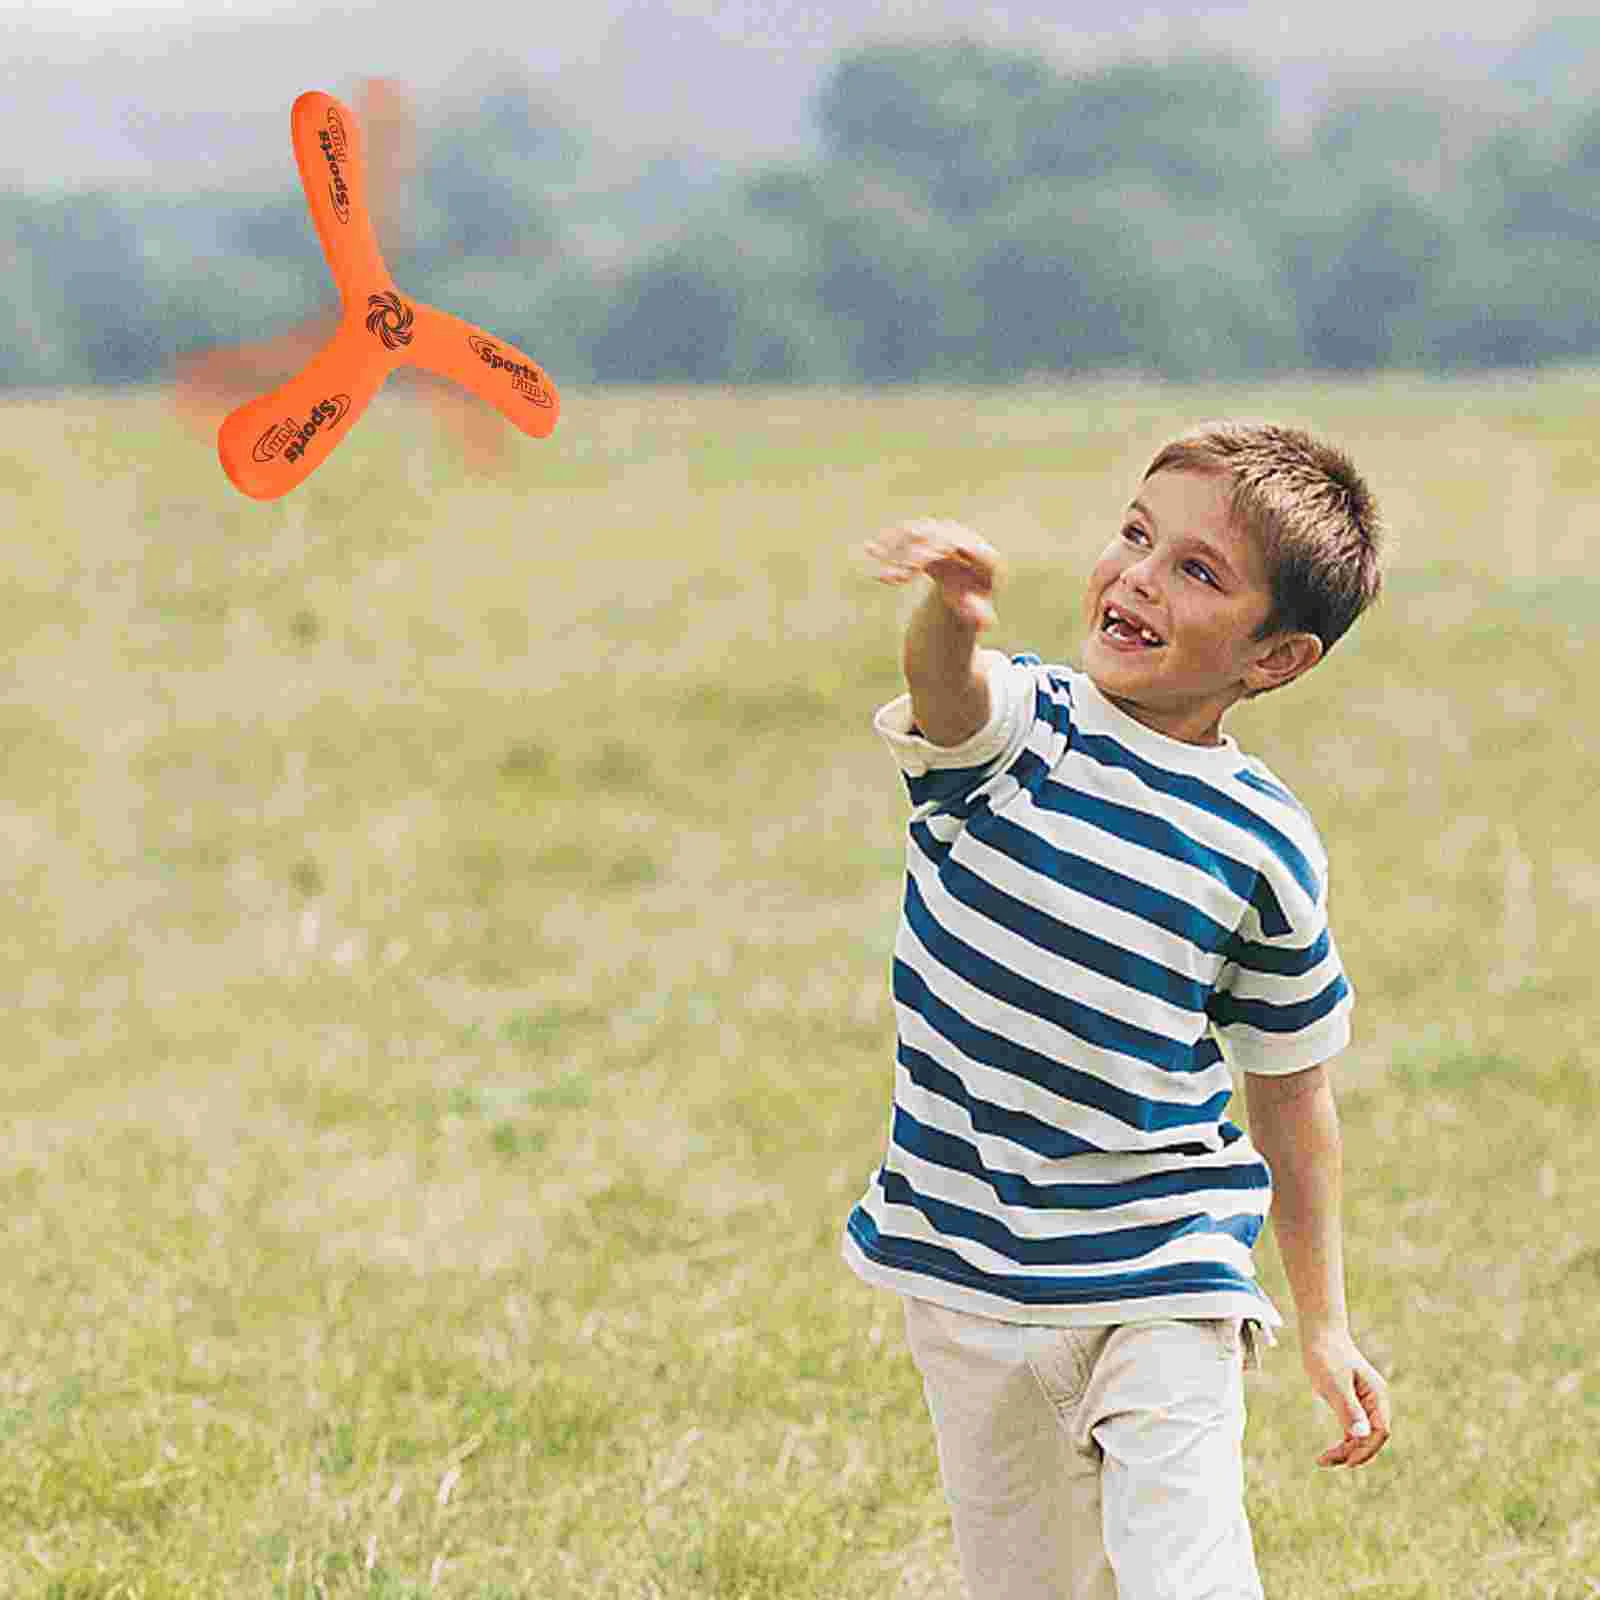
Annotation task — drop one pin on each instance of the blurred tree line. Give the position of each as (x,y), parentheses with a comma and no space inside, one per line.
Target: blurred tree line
(975,214)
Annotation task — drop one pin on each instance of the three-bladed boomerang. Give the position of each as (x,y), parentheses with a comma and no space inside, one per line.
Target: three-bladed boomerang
(273,443)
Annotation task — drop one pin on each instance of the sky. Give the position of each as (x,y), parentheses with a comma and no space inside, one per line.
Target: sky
(194,93)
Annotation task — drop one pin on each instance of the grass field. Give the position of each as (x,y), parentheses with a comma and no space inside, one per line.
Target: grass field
(449,924)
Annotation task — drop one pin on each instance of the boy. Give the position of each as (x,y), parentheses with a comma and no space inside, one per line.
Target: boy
(1103,895)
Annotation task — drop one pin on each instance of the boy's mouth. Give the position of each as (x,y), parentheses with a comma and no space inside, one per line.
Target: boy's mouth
(1127,632)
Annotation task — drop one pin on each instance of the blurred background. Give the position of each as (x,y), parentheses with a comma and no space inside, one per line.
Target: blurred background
(822,191)
(448,910)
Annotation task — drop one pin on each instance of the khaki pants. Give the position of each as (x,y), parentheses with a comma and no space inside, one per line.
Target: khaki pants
(1090,1463)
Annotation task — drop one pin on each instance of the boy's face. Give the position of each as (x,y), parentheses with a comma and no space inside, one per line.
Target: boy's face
(1180,569)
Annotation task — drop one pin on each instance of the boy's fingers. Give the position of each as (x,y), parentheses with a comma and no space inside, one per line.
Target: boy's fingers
(1373,1393)
(896,562)
(1346,1407)
(964,566)
(927,539)
(1358,1452)
(1371,1423)
(901,552)
(942,567)
(1340,1393)
(1359,1402)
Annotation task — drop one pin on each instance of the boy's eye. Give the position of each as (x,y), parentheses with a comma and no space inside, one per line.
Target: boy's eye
(1204,571)
(1133,531)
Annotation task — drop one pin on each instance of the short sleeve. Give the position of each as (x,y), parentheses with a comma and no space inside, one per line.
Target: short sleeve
(1283,1002)
(941,774)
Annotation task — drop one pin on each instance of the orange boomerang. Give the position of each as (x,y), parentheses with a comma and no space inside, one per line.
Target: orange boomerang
(275,442)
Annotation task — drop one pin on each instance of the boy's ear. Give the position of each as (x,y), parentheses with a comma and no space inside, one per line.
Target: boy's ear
(1283,660)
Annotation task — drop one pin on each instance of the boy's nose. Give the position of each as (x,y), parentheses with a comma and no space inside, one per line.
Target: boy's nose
(1137,577)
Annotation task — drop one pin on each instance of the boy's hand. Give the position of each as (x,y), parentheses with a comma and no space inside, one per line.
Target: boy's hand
(963,566)
(1356,1392)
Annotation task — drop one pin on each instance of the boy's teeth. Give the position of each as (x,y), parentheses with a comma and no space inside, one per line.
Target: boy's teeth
(1117,623)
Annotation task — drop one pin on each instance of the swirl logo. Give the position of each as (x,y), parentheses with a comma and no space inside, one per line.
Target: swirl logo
(390,319)
(290,438)
(527,380)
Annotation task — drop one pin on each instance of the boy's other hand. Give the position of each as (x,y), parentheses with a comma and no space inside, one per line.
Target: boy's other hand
(1356,1392)
(964,567)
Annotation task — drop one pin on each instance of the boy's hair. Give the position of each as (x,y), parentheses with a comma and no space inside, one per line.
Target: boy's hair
(1314,518)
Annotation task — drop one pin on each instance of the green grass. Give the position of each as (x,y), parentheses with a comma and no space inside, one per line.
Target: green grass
(451,921)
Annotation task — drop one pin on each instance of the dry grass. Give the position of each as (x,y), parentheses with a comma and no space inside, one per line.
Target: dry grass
(450,923)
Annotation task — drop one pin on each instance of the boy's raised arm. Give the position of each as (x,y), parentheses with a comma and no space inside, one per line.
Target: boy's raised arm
(943,665)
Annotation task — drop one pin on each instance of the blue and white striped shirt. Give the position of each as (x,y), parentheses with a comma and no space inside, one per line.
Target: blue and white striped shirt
(1098,921)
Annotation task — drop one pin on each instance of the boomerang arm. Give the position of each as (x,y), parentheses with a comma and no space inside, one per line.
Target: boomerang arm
(274,442)
(330,151)
(512,382)
(270,444)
